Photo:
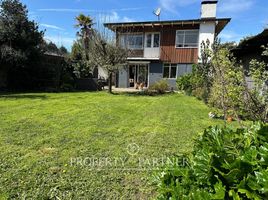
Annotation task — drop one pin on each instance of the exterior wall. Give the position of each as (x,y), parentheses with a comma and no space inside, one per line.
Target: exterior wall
(182,69)
(206,32)
(155,72)
(208,10)
(168,51)
(123,78)
(171,54)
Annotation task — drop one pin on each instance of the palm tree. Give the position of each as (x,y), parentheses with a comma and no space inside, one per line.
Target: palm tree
(84,23)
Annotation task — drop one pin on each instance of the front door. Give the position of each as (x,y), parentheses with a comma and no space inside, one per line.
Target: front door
(152,45)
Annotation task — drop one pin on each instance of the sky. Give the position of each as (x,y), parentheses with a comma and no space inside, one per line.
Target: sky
(57,17)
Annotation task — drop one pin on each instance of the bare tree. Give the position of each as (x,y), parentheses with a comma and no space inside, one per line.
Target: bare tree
(107,54)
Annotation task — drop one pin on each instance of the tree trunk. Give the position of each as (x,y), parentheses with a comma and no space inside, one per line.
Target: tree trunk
(110,82)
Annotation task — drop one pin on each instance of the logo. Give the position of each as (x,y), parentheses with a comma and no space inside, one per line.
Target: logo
(133,149)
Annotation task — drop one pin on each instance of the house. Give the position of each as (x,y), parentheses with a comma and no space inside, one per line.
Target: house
(249,49)
(164,49)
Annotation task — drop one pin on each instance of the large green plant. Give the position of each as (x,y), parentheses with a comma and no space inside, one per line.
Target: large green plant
(225,164)
(20,44)
(20,38)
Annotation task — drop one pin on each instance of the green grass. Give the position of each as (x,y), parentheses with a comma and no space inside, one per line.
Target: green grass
(41,133)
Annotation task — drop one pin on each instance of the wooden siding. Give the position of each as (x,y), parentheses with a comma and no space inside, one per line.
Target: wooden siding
(171,54)
(168,51)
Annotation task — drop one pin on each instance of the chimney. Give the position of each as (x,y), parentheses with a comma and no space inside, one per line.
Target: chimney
(208,9)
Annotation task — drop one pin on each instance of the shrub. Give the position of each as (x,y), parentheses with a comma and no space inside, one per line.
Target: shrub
(225,164)
(184,83)
(160,87)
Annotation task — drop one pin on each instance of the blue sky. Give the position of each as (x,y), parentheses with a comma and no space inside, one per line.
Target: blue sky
(249,17)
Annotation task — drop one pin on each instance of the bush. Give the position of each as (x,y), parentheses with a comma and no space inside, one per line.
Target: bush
(160,87)
(184,83)
(225,164)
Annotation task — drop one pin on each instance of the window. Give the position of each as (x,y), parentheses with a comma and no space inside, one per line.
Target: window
(156,40)
(187,38)
(184,69)
(149,40)
(170,71)
(152,40)
(132,41)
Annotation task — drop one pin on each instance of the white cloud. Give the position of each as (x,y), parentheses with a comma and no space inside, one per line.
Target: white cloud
(228,6)
(172,5)
(112,17)
(52,27)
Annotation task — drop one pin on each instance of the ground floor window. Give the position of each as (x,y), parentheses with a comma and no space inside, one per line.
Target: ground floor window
(170,71)
(184,69)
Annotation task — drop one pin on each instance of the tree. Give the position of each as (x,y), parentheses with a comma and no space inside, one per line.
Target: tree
(257,97)
(81,63)
(107,54)
(63,50)
(80,55)
(19,37)
(205,70)
(84,23)
(51,48)
(20,41)
(228,89)
(96,49)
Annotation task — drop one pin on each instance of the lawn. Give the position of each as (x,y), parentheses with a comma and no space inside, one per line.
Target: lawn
(57,145)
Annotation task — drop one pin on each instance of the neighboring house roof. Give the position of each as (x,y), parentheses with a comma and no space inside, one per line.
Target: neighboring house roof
(220,23)
(254,41)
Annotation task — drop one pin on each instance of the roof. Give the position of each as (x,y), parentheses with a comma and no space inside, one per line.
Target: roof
(255,41)
(220,23)
(252,45)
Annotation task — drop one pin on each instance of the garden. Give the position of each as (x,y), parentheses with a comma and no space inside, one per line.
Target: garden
(208,140)
(40,134)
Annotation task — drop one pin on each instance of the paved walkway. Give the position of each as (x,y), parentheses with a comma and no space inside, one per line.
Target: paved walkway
(131,90)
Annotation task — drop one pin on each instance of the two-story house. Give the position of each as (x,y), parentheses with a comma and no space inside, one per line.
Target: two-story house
(165,49)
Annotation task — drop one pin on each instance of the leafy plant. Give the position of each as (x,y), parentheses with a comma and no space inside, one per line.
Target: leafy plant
(184,83)
(225,164)
(258,104)
(160,87)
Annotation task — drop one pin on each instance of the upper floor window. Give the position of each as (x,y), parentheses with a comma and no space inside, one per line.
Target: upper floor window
(152,40)
(131,41)
(187,38)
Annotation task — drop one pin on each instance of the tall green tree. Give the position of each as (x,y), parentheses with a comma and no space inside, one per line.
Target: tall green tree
(20,40)
(80,54)
(81,64)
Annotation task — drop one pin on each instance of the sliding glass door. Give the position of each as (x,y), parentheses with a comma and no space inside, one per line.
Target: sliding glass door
(138,74)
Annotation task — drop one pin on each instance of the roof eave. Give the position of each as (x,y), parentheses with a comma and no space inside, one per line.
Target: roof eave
(114,26)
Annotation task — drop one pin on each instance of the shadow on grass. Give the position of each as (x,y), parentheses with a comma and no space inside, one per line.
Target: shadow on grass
(23,96)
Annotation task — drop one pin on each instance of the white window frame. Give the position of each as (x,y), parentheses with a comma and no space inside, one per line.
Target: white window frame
(169,67)
(184,34)
(130,34)
(152,39)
